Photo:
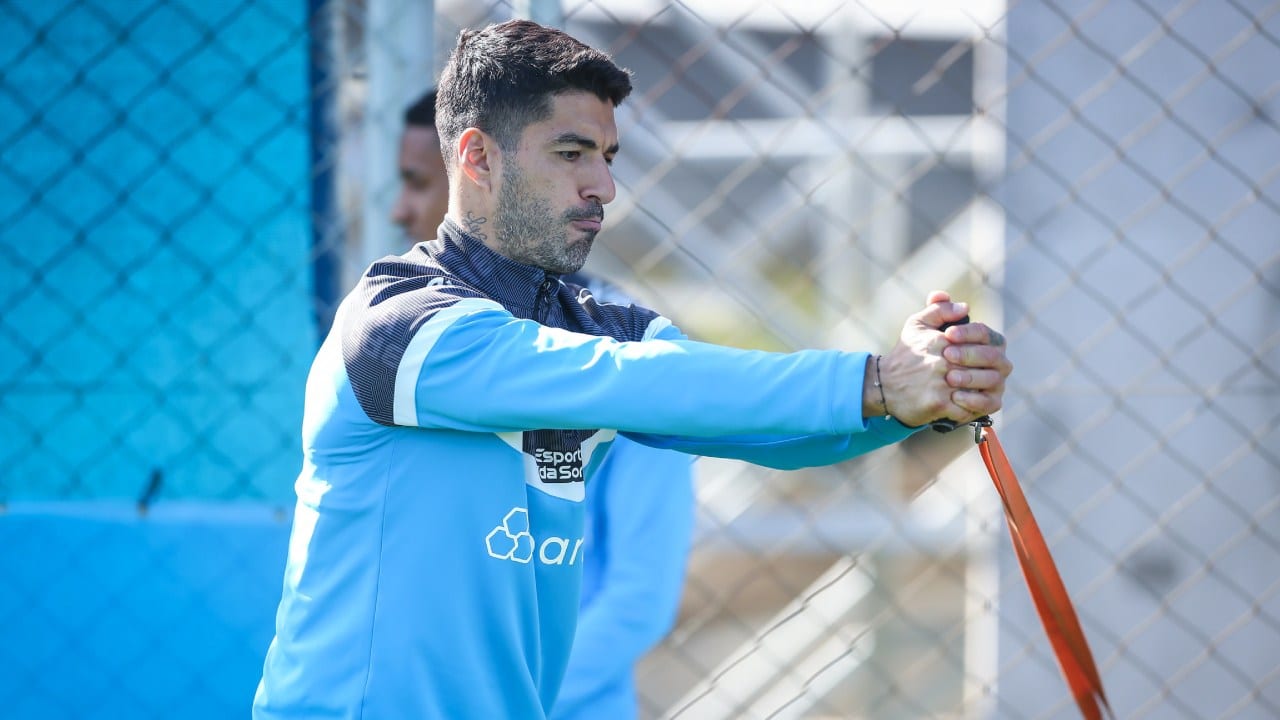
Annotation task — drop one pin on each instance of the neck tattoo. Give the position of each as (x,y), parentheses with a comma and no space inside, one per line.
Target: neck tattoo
(474,226)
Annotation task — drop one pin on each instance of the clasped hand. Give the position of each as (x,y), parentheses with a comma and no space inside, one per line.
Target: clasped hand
(958,374)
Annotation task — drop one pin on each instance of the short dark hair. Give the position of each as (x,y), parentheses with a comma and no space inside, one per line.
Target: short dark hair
(422,113)
(502,78)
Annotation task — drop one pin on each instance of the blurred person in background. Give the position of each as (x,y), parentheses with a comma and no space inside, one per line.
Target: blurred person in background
(424,184)
(639,503)
(465,393)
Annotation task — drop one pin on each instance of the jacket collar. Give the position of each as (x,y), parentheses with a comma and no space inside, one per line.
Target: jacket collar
(509,282)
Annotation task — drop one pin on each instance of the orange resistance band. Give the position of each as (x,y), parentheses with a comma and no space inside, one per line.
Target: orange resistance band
(1047,592)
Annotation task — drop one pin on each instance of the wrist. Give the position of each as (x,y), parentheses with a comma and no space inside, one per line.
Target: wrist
(873,398)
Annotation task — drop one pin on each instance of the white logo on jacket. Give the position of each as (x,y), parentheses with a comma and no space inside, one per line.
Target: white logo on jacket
(511,540)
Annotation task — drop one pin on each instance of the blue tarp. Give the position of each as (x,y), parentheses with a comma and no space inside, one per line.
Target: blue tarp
(109,613)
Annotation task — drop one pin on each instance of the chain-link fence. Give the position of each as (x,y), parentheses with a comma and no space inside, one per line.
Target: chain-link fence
(187,185)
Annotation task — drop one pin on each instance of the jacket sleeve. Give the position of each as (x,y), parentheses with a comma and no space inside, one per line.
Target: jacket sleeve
(473,366)
(645,508)
(786,452)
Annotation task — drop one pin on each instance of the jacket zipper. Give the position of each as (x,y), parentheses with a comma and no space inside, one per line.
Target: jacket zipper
(540,304)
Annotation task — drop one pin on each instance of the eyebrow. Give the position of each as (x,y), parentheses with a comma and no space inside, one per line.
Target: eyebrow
(572,138)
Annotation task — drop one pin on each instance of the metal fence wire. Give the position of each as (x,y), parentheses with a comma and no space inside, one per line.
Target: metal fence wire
(187,185)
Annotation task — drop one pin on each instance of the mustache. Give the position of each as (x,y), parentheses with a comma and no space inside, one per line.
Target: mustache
(593,211)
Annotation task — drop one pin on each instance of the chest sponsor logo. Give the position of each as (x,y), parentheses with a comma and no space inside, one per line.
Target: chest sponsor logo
(511,540)
(557,453)
(558,465)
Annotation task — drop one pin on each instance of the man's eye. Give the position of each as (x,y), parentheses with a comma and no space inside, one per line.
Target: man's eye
(570,154)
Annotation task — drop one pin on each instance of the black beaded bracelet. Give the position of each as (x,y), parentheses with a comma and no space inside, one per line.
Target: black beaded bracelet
(879,386)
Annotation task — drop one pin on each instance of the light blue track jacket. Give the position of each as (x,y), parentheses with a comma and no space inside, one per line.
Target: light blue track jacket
(451,416)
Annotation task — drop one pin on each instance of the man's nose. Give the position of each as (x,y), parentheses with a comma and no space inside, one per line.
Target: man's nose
(600,186)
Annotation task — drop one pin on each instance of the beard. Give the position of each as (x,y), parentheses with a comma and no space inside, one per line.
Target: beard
(529,231)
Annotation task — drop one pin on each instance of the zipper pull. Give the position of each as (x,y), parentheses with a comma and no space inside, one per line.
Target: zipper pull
(540,301)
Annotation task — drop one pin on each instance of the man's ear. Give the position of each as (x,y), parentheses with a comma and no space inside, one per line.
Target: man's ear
(476,156)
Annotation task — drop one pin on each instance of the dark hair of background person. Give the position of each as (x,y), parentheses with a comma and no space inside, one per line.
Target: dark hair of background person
(422,113)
